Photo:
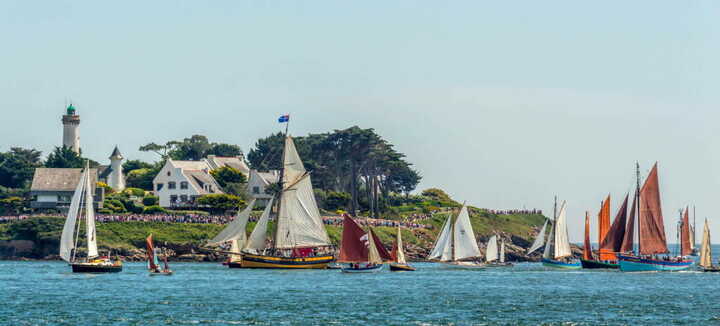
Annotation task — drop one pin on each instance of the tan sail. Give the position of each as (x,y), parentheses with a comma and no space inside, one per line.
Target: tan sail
(705,248)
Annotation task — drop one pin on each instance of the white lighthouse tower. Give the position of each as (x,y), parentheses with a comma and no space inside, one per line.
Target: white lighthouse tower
(71,129)
(115,179)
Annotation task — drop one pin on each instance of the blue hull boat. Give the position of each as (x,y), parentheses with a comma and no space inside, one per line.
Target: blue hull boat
(639,264)
(561,265)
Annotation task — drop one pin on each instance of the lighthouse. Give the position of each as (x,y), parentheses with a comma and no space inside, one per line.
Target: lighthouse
(71,129)
(115,179)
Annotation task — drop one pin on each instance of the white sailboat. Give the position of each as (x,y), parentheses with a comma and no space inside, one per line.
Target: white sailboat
(456,244)
(82,202)
(705,262)
(558,253)
(398,255)
(493,258)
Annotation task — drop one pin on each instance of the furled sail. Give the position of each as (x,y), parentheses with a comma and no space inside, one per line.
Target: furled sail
(628,240)
(685,246)
(705,250)
(614,239)
(603,229)
(443,245)
(491,252)
(540,240)
(256,241)
(92,250)
(652,227)
(562,242)
(464,243)
(502,251)
(299,223)
(397,254)
(587,250)
(67,240)
(235,230)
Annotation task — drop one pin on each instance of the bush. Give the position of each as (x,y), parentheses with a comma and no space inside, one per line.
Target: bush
(108,189)
(336,200)
(226,174)
(137,192)
(155,209)
(150,200)
(220,203)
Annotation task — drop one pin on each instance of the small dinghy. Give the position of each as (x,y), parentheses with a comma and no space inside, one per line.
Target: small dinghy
(705,262)
(398,255)
(361,251)
(456,246)
(492,257)
(153,262)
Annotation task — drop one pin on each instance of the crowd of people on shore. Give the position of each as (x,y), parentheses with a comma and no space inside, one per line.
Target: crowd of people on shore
(514,211)
(333,220)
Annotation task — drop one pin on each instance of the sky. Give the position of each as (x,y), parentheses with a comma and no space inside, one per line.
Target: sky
(502,104)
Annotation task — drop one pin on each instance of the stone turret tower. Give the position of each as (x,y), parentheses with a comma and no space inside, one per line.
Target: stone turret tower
(71,129)
(115,179)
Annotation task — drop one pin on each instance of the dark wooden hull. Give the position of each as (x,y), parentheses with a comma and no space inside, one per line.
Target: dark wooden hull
(168,273)
(401,268)
(91,268)
(594,264)
(275,262)
(498,264)
(713,269)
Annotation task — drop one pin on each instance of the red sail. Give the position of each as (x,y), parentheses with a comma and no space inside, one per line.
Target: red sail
(587,250)
(384,254)
(352,247)
(604,228)
(686,248)
(150,252)
(652,227)
(613,241)
(628,239)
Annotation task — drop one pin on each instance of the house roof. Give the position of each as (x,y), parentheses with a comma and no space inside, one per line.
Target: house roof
(190,165)
(116,153)
(235,162)
(200,178)
(52,179)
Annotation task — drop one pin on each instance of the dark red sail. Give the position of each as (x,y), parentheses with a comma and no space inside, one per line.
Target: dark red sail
(652,226)
(686,247)
(614,238)
(352,247)
(150,252)
(628,238)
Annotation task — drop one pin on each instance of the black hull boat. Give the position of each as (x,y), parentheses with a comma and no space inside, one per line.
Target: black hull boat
(595,264)
(96,268)
(496,264)
(401,268)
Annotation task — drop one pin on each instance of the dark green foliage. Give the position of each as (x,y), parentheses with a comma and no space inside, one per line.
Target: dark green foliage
(194,148)
(226,150)
(135,165)
(12,205)
(336,200)
(141,178)
(226,174)
(17,167)
(64,157)
(220,203)
(137,192)
(150,200)
(153,209)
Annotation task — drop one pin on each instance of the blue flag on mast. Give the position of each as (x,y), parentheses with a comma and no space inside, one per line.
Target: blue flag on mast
(284,118)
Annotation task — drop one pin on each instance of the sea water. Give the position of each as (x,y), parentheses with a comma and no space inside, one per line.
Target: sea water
(47,293)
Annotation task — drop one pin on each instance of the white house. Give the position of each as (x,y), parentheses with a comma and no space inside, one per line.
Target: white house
(259,181)
(180,183)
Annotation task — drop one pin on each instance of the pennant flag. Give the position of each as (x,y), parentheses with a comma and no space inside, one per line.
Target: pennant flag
(284,118)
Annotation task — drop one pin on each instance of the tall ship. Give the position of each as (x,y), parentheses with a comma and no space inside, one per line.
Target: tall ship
(81,207)
(361,251)
(456,245)
(610,237)
(651,253)
(299,240)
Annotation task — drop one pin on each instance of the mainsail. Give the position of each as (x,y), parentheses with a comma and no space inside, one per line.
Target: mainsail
(562,242)
(548,253)
(628,240)
(540,240)
(299,223)
(652,228)
(397,254)
(604,228)
(360,246)
(587,250)
(685,244)
(491,252)
(464,243)
(256,241)
(705,250)
(443,245)
(67,240)
(90,232)
(613,241)
(502,251)
(235,230)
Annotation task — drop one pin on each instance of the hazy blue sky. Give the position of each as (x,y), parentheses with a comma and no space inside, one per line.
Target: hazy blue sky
(501,104)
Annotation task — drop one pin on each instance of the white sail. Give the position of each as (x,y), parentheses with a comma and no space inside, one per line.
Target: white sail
(67,240)
(90,217)
(562,242)
(540,240)
(491,252)
(443,245)
(502,251)
(692,237)
(373,254)
(550,245)
(464,242)
(235,230)
(400,253)
(256,242)
(299,222)
(705,248)
(234,248)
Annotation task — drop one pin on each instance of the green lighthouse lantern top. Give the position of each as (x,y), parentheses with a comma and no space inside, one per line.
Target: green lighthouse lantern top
(71,110)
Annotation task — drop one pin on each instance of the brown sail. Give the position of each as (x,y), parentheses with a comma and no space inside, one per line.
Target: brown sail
(614,239)
(628,238)
(150,252)
(587,250)
(352,247)
(604,228)
(652,227)
(685,246)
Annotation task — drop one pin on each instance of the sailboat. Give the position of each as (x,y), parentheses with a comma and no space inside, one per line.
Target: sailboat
(651,231)
(693,247)
(299,240)
(398,256)
(610,238)
(235,234)
(558,253)
(153,261)
(706,252)
(456,245)
(361,251)
(492,257)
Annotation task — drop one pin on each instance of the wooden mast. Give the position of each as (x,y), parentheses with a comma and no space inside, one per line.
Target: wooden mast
(282,187)
(637,197)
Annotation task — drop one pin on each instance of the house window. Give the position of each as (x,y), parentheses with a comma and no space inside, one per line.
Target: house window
(168,174)
(183,198)
(256,190)
(173,199)
(183,185)
(171,185)
(160,186)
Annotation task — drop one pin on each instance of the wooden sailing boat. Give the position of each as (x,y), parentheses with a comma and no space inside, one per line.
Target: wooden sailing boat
(361,251)
(235,234)
(558,253)
(610,238)
(456,245)
(705,262)
(493,258)
(651,232)
(82,201)
(153,261)
(299,240)
(398,256)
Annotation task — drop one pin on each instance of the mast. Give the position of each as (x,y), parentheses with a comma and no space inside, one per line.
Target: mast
(694,232)
(282,187)
(637,197)
(452,237)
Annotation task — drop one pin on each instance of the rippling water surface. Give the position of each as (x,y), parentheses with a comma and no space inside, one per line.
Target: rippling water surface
(46,293)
